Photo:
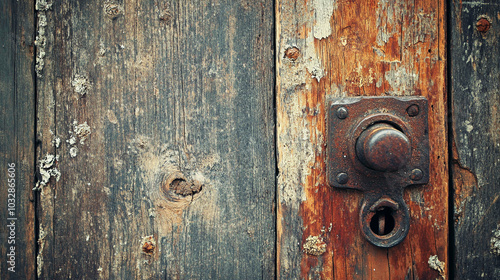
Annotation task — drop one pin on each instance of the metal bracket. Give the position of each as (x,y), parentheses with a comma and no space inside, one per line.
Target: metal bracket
(379,145)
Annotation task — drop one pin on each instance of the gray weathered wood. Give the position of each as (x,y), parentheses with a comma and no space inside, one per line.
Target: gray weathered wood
(17,130)
(475,73)
(167,88)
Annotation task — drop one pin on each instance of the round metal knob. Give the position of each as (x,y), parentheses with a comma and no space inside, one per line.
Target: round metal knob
(382,147)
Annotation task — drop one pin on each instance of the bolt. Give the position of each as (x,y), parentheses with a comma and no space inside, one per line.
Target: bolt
(292,53)
(342,178)
(483,25)
(413,110)
(342,113)
(416,174)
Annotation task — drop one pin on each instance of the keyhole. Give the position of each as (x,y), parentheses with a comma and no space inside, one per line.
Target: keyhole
(382,222)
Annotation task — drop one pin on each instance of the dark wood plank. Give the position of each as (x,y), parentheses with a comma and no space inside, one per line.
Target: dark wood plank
(475,73)
(328,49)
(17,145)
(175,176)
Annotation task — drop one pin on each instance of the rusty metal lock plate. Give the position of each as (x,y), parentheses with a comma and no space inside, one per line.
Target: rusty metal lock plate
(379,145)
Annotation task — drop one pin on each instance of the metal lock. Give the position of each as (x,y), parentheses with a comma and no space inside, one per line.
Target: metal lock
(379,145)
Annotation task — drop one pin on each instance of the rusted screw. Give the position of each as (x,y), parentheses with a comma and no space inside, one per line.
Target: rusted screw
(342,113)
(416,174)
(342,178)
(413,110)
(483,25)
(292,53)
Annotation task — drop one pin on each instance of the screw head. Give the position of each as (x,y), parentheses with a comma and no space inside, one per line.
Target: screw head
(342,113)
(413,110)
(483,25)
(342,178)
(292,53)
(416,174)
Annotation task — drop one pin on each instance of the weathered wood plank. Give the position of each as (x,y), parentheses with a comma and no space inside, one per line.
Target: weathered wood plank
(475,72)
(164,111)
(17,145)
(328,49)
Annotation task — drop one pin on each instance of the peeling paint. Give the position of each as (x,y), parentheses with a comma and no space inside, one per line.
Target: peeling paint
(387,24)
(323,14)
(81,84)
(73,152)
(41,7)
(402,80)
(437,265)
(56,142)
(47,169)
(80,132)
(425,29)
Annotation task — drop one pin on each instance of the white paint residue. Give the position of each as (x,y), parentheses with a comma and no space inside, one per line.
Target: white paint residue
(386,13)
(323,13)
(73,152)
(437,265)
(312,63)
(495,242)
(56,142)
(47,169)
(41,6)
(401,80)
(81,84)
(81,132)
(468,126)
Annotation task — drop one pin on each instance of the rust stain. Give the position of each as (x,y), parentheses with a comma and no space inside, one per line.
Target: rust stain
(148,245)
(292,53)
(465,182)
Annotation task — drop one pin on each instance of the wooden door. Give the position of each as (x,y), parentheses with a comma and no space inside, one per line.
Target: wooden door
(356,48)
(187,139)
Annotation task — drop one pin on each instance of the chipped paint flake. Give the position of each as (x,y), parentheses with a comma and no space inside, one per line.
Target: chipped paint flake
(437,265)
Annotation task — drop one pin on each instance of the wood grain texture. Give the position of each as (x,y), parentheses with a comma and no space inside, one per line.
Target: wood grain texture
(17,131)
(475,76)
(175,179)
(355,48)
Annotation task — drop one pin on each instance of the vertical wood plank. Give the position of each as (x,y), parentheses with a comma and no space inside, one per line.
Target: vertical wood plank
(475,73)
(164,111)
(328,49)
(17,145)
